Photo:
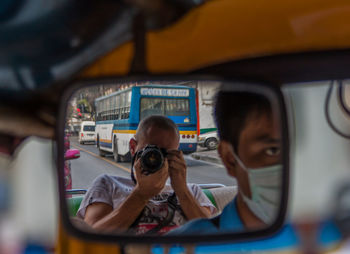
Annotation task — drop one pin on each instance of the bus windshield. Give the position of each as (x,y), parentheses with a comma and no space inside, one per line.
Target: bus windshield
(161,106)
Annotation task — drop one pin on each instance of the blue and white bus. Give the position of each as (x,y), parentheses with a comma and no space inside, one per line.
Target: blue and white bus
(118,115)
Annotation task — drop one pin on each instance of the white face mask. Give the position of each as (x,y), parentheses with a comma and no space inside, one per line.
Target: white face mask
(265,187)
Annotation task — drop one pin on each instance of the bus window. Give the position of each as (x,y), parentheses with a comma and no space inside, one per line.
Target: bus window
(100,103)
(128,96)
(122,100)
(105,115)
(169,107)
(115,107)
(177,107)
(96,111)
(117,116)
(151,106)
(117,98)
(121,113)
(127,105)
(113,103)
(107,108)
(114,114)
(104,109)
(122,105)
(110,108)
(127,112)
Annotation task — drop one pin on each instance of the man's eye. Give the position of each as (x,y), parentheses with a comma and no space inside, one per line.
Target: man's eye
(273,151)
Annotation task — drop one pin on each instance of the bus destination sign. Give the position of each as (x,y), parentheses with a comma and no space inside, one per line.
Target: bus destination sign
(165,92)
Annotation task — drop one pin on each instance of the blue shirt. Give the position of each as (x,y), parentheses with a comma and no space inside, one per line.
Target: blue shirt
(284,239)
(229,221)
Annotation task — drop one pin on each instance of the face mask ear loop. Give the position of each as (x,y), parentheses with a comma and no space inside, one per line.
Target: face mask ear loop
(241,164)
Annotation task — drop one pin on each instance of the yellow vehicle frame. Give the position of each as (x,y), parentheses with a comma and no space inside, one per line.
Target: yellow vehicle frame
(221,31)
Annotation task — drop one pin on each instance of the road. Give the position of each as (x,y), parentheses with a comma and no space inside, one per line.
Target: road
(90,165)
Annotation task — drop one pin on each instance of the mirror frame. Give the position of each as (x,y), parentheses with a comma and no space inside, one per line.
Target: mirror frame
(264,87)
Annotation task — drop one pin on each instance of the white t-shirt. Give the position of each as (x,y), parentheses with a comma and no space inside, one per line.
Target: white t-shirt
(113,190)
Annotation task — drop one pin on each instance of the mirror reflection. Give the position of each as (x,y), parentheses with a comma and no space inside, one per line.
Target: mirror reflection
(150,158)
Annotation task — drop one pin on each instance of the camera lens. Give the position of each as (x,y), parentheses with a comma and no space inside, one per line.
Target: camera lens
(152,159)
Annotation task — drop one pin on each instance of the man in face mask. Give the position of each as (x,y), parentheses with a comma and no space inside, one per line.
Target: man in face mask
(145,203)
(250,150)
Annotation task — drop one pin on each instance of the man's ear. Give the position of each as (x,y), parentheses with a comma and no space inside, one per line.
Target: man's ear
(132,146)
(226,154)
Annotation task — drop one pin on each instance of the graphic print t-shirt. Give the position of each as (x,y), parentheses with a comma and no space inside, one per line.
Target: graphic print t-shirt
(113,190)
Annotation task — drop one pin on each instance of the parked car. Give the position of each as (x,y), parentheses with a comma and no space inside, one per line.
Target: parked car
(209,140)
(87,132)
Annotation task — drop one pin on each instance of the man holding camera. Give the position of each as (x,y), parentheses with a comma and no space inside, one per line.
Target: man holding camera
(146,203)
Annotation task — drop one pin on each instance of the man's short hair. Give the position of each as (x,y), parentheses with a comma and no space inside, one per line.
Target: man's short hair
(232,109)
(161,122)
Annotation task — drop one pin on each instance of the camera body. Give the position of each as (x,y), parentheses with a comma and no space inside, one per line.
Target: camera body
(152,158)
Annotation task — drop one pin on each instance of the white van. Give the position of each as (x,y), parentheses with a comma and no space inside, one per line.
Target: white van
(87,132)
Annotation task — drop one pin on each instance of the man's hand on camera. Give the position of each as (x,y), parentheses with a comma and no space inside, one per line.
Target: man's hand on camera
(177,170)
(150,185)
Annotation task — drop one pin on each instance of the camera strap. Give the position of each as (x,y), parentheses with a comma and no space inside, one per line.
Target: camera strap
(172,207)
(216,221)
(132,174)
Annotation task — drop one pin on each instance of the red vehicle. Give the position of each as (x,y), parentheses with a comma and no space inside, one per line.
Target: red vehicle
(70,154)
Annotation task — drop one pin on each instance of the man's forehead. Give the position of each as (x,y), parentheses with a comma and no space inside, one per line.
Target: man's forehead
(262,127)
(154,130)
(158,136)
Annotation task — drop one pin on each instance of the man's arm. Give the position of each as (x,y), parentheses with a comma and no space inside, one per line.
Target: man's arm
(102,216)
(177,173)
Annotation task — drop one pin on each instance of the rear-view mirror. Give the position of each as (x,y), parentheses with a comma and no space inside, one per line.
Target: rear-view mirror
(174,160)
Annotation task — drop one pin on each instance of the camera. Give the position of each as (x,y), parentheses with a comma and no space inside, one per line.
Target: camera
(152,158)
